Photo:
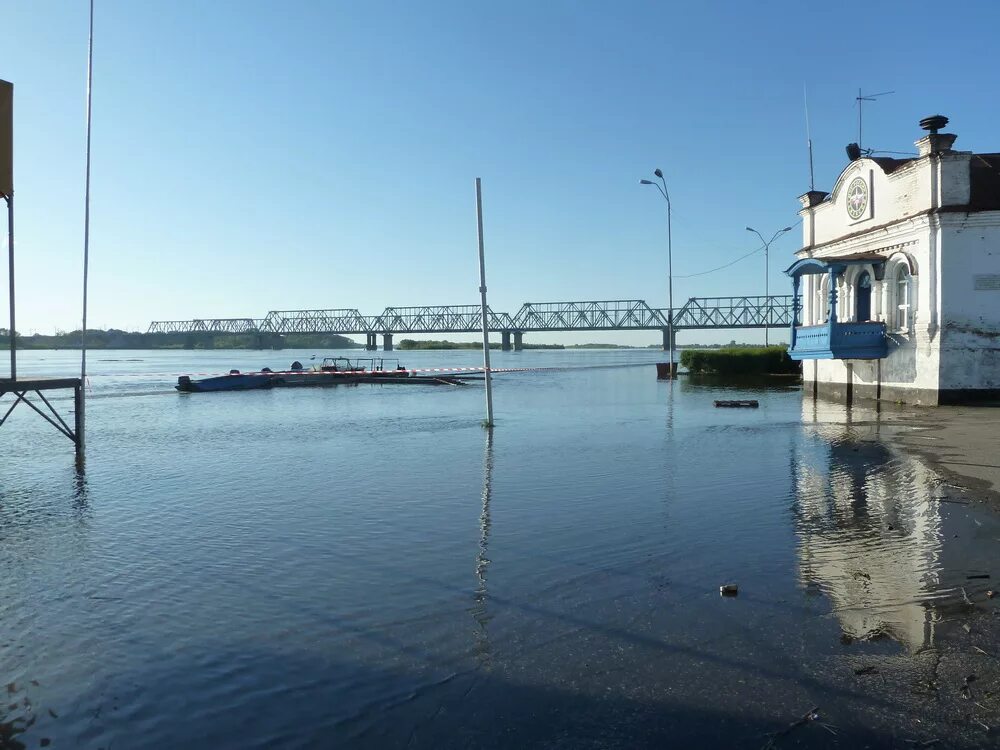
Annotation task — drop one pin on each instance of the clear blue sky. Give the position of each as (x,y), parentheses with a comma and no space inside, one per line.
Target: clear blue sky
(259,155)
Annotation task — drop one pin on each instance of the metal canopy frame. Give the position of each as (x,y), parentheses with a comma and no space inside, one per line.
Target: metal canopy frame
(20,390)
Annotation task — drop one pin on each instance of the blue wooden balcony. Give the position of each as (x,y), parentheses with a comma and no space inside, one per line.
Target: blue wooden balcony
(839,341)
(834,339)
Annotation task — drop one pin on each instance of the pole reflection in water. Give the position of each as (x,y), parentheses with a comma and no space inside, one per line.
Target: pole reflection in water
(81,493)
(479,608)
(670,409)
(870,535)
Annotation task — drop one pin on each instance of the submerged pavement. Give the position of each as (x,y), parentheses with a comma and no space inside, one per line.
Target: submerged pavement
(950,683)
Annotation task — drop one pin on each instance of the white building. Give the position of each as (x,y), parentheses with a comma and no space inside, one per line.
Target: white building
(898,279)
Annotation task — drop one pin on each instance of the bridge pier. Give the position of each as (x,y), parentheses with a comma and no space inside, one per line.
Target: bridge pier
(505,341)
(387,342)
(371,342)
(266,341)
(666,339)
(518,341)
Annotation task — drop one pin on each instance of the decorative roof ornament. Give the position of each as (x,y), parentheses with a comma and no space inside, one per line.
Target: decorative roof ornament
(933,123)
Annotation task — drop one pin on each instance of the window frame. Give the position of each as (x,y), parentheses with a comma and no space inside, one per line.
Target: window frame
(902,302)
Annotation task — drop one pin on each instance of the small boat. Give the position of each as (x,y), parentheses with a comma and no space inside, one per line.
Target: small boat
(234,381)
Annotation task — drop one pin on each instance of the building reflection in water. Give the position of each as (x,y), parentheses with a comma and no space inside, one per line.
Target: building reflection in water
(479,610)
(869,532)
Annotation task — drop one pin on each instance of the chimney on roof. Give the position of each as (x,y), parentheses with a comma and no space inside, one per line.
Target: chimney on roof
(935,143)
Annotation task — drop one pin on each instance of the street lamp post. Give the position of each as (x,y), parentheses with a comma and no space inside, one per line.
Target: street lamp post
(670,268)
(767,298)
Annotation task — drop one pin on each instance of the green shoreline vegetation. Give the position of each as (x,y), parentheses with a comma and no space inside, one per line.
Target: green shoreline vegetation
(770,360)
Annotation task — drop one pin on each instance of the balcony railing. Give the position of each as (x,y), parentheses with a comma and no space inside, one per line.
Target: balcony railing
(839,341)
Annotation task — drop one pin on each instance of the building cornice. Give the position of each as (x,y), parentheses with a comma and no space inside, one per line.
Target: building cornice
(972,217)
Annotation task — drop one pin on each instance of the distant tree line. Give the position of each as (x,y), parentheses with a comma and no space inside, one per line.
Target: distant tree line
(412,344)
(114,338)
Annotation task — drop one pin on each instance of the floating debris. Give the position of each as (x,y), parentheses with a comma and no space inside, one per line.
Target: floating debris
(744,404)
(729,589)
(810,716)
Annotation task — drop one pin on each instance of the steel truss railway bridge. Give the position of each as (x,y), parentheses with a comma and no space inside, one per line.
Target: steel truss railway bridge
(609,315)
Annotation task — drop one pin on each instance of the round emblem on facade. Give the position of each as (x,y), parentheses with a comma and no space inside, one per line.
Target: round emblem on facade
(857,198)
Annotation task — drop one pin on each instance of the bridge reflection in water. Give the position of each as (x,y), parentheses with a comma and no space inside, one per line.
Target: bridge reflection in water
(772,311)
(875,534)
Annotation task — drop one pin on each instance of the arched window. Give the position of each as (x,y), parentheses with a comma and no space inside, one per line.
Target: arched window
(863,297)
(903,293)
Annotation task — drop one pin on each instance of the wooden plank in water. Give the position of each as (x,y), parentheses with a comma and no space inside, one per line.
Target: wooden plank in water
(738,404)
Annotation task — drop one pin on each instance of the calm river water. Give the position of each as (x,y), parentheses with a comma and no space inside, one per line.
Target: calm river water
(367,567)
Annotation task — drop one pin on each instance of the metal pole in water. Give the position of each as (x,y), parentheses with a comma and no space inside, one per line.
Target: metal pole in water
(81,400)
(670,282)
(10,258)
(7,192)
(482,292)
(79,427)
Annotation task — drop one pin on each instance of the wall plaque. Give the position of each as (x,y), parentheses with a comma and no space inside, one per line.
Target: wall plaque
(987,282)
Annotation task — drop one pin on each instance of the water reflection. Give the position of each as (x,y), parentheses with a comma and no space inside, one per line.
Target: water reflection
(670,409)
(81,493)
(869,534)
(479,608)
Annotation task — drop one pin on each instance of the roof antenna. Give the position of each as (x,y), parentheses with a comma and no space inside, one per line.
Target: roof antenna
(860,99)
(809,142)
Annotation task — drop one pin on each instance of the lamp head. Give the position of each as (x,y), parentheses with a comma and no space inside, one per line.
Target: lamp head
(646,182)
(658,173)
(750,229)
(787,229)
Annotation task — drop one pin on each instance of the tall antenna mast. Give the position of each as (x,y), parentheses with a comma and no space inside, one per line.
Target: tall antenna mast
(809,141)
(860,99)
(86,228)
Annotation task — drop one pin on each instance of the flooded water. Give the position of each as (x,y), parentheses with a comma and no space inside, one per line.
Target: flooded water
(367,566)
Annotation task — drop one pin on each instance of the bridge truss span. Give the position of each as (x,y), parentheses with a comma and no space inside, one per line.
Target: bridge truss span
(440,319)
(608,315)
(234,326)
(344,320)
(774,311)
